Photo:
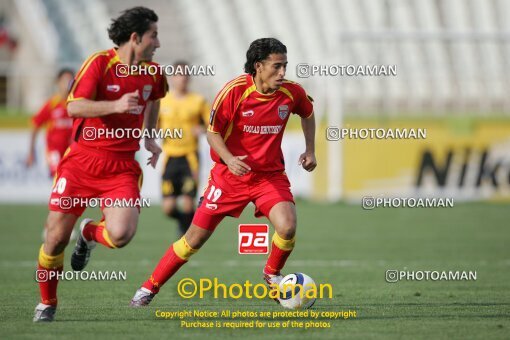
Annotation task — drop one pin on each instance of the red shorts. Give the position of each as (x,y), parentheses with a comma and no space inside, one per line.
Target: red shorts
(87,173)
(227,195)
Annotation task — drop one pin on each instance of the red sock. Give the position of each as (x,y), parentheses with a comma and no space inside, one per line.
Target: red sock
(47,269)
(166,268)
(97,232)
(276,260)
(48,284)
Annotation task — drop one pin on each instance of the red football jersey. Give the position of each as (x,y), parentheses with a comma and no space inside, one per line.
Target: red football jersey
(59,124)
(98,80)
(252,123)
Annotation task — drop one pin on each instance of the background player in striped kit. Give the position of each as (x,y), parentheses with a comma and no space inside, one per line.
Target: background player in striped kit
(189,112)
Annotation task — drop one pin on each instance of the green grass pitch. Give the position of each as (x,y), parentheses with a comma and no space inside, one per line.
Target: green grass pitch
(340,244)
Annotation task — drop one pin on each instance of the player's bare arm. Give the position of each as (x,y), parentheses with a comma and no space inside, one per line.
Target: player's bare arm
(235,163)
(307,159)
(31,151)
(86,108)
(150,123)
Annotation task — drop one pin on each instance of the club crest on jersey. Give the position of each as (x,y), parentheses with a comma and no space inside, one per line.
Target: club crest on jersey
(147,89)
(283,111)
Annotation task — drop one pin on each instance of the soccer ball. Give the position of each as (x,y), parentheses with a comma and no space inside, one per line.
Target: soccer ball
(293,291)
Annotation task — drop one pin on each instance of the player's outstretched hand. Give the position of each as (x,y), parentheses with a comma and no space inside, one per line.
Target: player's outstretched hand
(237,166)
(128,102)
(307,161)
(153,147)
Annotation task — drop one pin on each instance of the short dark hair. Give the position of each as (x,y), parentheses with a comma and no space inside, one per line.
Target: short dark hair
(63,71)
(259,50)
(136,19)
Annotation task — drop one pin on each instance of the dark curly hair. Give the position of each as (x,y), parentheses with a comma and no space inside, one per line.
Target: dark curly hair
(259,50)
(132,20)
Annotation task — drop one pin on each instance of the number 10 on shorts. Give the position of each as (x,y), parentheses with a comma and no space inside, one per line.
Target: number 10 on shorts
(253,239)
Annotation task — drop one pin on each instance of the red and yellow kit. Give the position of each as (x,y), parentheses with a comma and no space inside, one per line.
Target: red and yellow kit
(59,129)
(98,80)
(100,165)
(251,124)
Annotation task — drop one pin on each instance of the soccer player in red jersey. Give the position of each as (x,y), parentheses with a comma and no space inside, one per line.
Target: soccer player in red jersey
(103,96)
(59,124)
(247,121)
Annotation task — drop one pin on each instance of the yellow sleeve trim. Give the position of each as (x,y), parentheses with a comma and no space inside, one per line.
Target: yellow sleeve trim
(211,130)
(75,99)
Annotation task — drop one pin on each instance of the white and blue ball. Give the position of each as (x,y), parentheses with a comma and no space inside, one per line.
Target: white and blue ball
(293,289)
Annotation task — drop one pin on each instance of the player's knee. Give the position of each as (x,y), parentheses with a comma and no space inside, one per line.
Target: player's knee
(187,205)
(169,208)
(120,238)
(287,228)
(120,241)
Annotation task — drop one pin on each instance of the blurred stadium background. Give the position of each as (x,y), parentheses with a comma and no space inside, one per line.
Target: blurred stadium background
(452,78)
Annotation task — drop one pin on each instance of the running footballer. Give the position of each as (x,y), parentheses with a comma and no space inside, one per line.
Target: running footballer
(96,165)
(247,121)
